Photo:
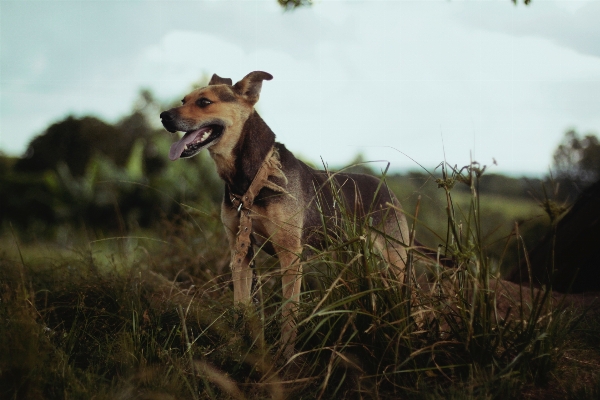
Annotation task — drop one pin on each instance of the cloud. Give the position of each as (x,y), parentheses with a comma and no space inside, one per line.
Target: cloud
(410,79)
(573,25)
(487,77)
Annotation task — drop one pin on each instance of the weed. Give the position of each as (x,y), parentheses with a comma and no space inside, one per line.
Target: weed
(156,319)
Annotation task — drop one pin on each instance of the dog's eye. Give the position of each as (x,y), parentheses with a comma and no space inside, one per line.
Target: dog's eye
(182,101)
(203,102)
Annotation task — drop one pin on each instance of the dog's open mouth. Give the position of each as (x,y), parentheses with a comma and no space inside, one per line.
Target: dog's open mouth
(193,141)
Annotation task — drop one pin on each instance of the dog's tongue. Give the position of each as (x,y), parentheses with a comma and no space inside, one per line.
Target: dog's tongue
(178,147)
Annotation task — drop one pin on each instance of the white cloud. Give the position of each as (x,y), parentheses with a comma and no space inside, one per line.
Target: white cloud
(569,23)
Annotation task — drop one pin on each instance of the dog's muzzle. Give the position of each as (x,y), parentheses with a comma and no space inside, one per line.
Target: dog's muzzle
(194,139)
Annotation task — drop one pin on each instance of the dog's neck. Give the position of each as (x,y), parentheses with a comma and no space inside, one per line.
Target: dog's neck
(256,140)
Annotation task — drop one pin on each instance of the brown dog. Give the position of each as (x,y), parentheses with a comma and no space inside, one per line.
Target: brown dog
(272,199)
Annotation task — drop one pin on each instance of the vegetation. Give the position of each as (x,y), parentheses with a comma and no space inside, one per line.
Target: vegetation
(114,283)
(576,163)
(83,176)
(155,319)
(293,4)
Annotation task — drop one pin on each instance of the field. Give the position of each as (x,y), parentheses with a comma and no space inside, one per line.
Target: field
(149,313)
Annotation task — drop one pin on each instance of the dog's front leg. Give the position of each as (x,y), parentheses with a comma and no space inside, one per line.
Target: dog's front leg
(291,271)
(241,274)
(241,255)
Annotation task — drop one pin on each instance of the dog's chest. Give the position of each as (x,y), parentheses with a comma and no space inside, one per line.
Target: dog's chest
(260,226)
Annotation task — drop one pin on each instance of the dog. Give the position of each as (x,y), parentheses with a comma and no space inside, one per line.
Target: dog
(272,199)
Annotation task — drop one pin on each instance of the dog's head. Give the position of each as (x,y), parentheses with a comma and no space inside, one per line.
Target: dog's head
(213,116)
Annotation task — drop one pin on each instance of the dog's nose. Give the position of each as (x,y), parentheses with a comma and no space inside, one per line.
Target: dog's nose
(166,116)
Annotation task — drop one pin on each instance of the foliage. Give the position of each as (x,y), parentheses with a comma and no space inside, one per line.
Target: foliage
(577,162)
(114,178)
(154,319)
(83,172)
(74,141)
(149,313)
(293,4)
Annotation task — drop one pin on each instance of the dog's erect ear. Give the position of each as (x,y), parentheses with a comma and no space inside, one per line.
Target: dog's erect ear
(217,80)
(250,86)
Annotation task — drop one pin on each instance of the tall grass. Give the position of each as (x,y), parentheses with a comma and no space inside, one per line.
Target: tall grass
(164,325)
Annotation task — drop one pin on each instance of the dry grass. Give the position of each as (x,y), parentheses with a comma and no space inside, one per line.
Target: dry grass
(154,319)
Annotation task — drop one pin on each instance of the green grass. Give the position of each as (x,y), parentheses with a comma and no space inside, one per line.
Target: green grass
(152,317)
(501,208)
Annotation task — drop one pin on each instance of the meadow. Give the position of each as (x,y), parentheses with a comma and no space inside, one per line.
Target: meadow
(146,311)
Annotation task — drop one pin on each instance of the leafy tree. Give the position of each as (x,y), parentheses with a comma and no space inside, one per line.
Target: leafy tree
(85,172)
(293,4)
(577,159)
(74,141)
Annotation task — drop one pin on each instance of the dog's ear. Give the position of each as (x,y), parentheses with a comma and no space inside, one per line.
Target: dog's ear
(250,86)
(217,80)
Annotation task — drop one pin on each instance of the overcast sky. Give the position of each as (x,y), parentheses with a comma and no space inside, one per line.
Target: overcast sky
(427,78)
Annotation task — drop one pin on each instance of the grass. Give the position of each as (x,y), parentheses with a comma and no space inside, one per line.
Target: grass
(153,318)
(501,210)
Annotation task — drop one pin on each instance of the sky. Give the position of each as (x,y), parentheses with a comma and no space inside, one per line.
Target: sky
(407,82)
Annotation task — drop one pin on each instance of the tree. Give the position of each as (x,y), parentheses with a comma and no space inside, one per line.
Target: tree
(74,141)
(567,256)
(293,4)
(577,161)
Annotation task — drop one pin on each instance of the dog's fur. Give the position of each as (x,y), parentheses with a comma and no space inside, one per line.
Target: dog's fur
(282,223)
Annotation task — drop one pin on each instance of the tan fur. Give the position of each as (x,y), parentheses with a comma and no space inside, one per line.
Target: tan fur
(232,113)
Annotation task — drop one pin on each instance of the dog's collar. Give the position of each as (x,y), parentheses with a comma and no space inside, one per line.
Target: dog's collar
(271,166)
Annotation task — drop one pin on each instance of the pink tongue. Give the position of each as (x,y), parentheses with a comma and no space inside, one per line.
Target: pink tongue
(178,147)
